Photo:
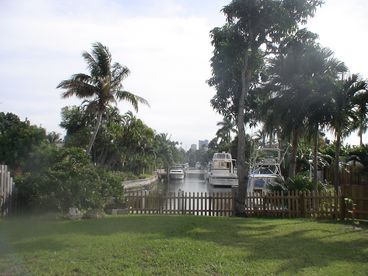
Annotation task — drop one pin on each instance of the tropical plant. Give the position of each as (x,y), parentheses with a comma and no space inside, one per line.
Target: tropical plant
(361,103)
(253,29)
(18,139)
(341,108)
(102,87)
(226,128)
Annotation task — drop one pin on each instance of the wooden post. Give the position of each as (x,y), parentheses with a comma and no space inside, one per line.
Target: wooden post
(342,206)
(233,205)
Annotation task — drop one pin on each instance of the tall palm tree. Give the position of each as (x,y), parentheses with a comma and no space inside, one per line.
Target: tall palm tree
(361,101)
(326,70)
(342,113)
(227,127)
(290,85)
(102,87)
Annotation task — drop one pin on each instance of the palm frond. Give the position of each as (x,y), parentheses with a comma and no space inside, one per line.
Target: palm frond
(102,56)
(78,85)
(119,73)
(130,97)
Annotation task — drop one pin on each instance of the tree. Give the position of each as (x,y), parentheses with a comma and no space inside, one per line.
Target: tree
(342,113)
(300,78)
(252,25)
(361,102)
(18,139)
(227,127)
(102,87)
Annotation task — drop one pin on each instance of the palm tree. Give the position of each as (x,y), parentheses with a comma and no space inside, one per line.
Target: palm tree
(227,127)
(102,87)
(361,101)
(342,113)
(326,70)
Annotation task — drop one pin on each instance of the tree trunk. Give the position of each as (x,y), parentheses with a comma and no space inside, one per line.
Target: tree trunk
(270,142)
(315,159)
(294,150)
(360,132)
(337,158)
(241,169)
(94,134)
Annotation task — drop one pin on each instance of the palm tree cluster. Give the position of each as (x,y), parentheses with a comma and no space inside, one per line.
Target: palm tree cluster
(113,141)
(102,87)
(270,72)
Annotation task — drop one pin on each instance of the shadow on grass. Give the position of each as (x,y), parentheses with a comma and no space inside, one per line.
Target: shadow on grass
(297,243)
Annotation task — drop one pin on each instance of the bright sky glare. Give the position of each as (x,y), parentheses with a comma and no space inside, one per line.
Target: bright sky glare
(165,44)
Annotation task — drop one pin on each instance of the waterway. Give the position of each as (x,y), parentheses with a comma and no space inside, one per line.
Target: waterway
(191,183)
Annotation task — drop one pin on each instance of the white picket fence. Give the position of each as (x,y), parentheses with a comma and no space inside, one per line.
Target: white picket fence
(6,191)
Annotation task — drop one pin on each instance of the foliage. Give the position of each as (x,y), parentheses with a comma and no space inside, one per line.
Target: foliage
(300,182)
(102,87)
(124,142)
(253,30)
(360,152)
(18,139)
(69,180)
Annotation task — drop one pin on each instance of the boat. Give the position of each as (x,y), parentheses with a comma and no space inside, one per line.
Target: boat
(177,172)
(265,170)
(221,170)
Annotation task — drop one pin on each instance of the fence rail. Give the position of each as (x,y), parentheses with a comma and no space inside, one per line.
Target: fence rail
(183,203)
(295,204)
(6,191)
(291,204)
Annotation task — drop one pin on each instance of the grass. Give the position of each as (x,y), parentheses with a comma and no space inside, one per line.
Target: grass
(181,245)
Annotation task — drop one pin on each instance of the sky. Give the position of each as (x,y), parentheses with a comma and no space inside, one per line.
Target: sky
(164,43)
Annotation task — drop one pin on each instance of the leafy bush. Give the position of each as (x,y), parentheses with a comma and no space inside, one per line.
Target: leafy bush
(300,182)
(70,180)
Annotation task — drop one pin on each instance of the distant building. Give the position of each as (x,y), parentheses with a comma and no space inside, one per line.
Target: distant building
(193,147)
(203,144)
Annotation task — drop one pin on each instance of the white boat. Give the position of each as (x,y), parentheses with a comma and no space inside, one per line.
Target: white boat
(265,170)
(221,171)
(177,173)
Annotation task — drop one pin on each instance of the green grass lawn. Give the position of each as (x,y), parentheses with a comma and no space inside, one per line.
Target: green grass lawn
(181,245)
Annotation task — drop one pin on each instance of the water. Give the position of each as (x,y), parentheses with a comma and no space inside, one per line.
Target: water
(191,183)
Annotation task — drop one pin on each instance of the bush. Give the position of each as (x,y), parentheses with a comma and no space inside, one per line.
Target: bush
(71,180)
(300,182)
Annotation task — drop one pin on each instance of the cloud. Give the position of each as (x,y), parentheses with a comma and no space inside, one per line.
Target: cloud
(167,55)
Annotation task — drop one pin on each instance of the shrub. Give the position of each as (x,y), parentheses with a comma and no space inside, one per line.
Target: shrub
(71,180)
(300,182)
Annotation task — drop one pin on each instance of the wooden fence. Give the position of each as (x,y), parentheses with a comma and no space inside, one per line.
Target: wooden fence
(6,191)
(329,205)
(295,204)
(200,204)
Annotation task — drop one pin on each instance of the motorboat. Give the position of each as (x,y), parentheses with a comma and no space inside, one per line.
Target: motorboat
(177,172)
(265,170)
(221,170)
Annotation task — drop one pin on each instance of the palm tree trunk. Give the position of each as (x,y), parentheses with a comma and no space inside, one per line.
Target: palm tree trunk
(361,135)
(242,171)
(294,149)
(337,159)
(94,134)
(315,159)
(270,142)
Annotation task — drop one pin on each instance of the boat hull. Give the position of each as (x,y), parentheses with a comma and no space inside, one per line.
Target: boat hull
(176,176)
(223,181)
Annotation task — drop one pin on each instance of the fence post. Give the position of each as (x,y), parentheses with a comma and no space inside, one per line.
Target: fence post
(301,204)
(340,197)
(233,206)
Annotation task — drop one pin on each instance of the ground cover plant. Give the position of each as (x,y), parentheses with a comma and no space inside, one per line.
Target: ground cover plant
(186,245)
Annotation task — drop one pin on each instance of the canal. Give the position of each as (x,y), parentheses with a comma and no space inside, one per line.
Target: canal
(193,182)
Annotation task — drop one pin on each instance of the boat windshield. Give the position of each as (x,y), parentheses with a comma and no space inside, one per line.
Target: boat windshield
(221,164)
